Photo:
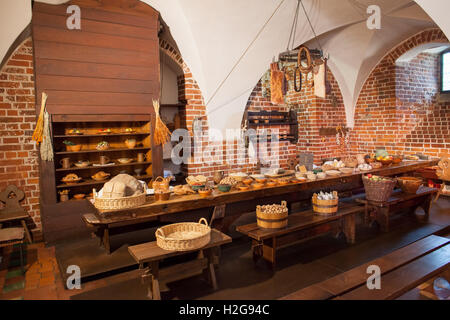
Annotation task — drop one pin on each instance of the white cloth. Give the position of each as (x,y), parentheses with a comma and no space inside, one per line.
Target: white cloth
(319,82)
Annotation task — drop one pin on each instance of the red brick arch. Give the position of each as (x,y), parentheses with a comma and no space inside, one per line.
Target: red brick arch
(399,105)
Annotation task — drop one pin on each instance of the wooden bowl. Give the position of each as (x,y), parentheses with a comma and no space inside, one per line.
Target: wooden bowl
(385,162)
(261,181)
(397,160)
(247,181)
(244,188)
(409,184)
(369,160)
(204,192)
(74,148)
(283,182)
(79,196)
(100,177)
(258,185)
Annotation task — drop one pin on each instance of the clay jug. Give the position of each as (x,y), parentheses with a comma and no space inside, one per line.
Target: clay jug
(218,176)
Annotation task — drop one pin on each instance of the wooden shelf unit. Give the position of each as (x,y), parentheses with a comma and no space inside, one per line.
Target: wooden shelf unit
(275,118)
(141,124)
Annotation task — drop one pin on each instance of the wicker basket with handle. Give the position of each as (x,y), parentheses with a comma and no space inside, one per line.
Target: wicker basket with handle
(184,236)
(380,190)
(325,207)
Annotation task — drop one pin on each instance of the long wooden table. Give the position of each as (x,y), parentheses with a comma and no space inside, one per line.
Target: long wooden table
(236,202)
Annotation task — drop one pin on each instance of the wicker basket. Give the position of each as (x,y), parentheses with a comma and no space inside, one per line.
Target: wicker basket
(379,191)
(325,207)
(118,203)
(187,236)
(272,220)
(409,184)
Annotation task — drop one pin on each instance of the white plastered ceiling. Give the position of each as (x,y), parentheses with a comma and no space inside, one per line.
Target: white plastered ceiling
(213,35)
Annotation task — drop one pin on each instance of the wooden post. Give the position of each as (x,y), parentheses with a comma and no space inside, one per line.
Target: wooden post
(154,266)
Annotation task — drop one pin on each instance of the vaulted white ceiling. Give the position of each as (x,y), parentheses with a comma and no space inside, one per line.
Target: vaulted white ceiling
(229,44)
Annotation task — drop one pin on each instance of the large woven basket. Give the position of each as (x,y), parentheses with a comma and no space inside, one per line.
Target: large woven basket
(184,236)
(118,203)
(378,191)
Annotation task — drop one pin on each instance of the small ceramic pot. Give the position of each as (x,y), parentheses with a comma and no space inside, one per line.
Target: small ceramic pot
(130,143)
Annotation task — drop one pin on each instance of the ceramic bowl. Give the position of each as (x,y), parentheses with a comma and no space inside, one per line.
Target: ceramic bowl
(247,181)
(204,192)
(79,196)
(124,160)
(81,164)
(224,187)
(197,187)
(321,175)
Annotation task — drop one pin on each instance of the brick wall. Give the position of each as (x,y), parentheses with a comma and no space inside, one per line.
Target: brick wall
(398,107)
(18,153)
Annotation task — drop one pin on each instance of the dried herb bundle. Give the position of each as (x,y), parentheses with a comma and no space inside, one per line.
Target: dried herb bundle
(161,135)
(38,131)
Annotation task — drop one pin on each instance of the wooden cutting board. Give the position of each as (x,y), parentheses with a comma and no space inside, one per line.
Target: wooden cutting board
(281,175)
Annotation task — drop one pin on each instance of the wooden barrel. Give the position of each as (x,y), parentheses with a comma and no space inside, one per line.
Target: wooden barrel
(272,220)
(325,207)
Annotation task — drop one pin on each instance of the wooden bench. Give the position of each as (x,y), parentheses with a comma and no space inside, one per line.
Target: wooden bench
(301,225)
(150,254)
(398,201)
(401,271)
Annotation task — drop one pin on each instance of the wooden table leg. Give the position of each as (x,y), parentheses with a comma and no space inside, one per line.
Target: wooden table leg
(146,279)
(24,225)
(426,206)
(105,240)
(349,226)
(210,272)
(269,252)
(256,250)
(383,218)
(154,266)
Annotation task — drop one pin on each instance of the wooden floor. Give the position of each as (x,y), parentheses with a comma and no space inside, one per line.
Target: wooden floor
(298,267)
